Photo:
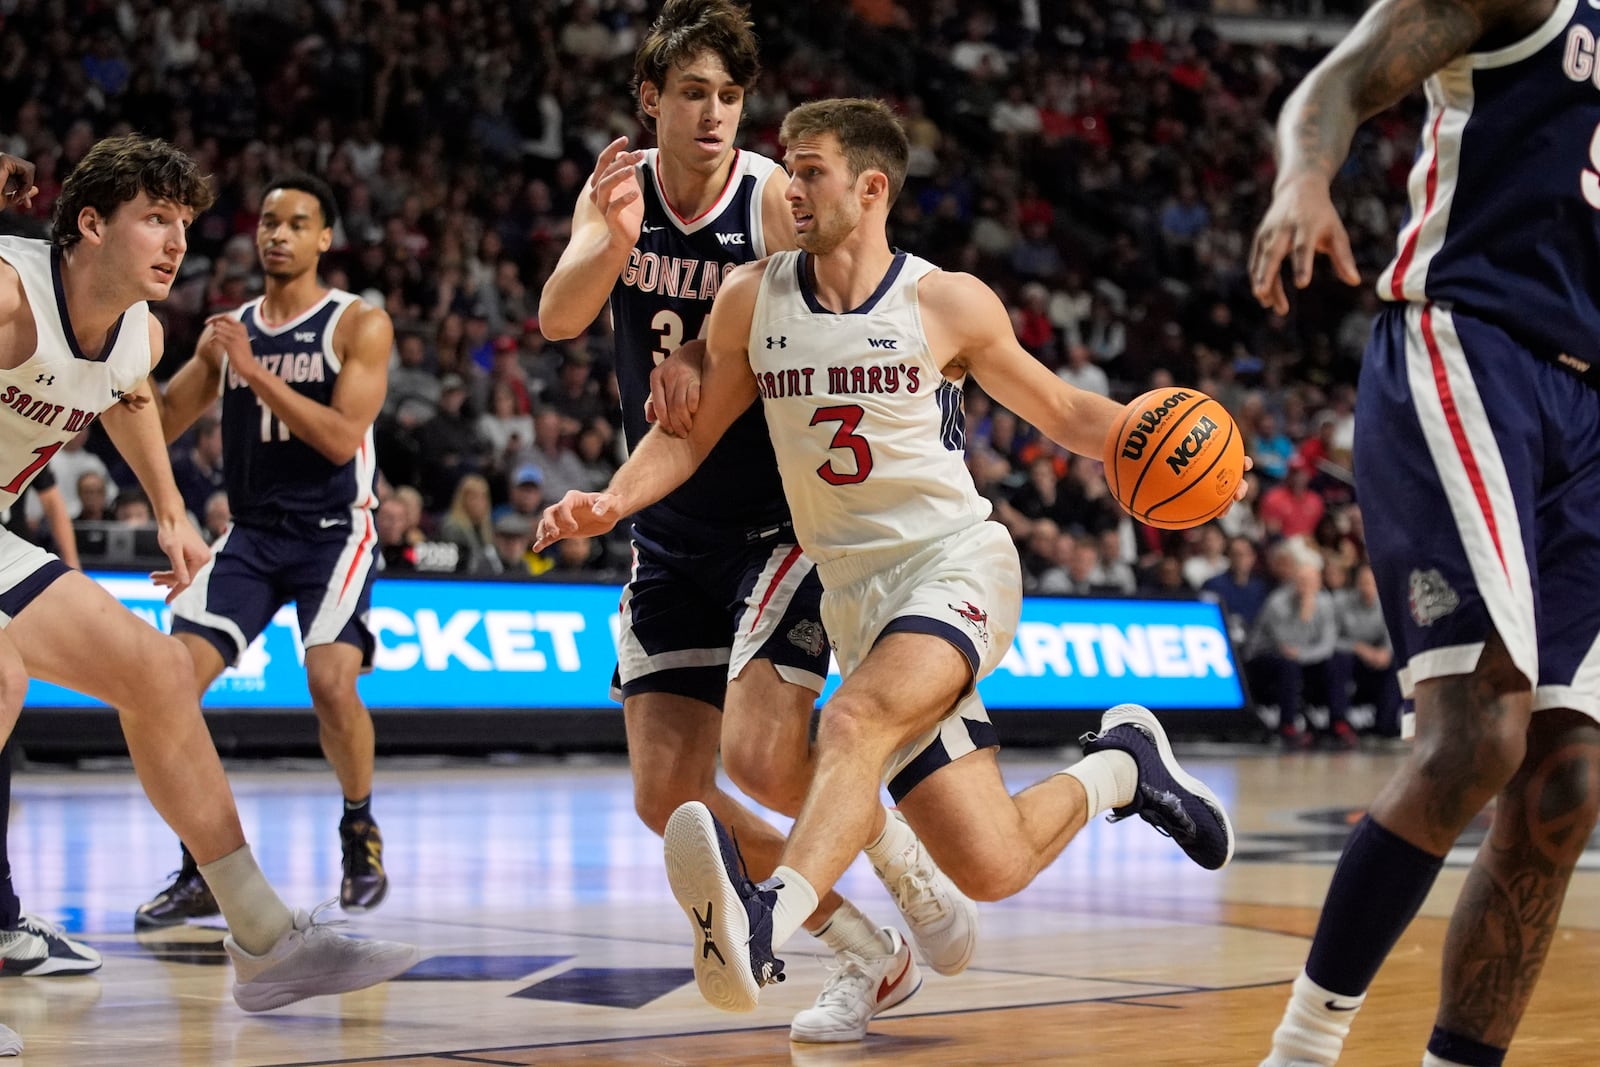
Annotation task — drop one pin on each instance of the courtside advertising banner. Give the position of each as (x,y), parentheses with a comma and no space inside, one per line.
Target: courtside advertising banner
(478,644)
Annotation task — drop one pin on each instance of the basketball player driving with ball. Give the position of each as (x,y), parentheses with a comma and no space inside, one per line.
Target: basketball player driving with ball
(859,354)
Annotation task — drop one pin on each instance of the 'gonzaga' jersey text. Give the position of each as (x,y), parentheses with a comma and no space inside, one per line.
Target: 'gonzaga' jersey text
(270,472)
(661,300)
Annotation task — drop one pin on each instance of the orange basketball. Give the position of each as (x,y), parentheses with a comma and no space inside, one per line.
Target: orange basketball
(1174,458)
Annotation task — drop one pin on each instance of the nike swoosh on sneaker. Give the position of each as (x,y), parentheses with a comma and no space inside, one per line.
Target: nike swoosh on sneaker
(886,987)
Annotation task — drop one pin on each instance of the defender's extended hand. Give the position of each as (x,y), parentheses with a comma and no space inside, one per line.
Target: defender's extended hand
(577,514)
(187,552)
(675,390)
(1300,223)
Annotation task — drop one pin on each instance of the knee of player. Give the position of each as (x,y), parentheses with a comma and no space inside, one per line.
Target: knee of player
(1475,745)
(1571,785)
(13,687)
(333,692)
(996,878)
(773,779)
(165,676)
(853,722)
(656,797)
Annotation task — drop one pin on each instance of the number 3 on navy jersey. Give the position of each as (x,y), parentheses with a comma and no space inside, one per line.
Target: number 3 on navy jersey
(848,416)
(669,324)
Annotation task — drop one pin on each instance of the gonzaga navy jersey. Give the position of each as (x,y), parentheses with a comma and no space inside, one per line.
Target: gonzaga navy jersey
(661,300)
(1504,213)
(271,473)
(867,428)
(59,391)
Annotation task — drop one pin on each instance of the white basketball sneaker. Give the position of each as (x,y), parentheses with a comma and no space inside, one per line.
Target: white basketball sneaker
(10,1042)
(311,960)
(856,992)
(36,948)
(943,919)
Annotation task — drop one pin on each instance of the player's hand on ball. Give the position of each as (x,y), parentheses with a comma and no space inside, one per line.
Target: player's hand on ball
(577,514)
(1175,459)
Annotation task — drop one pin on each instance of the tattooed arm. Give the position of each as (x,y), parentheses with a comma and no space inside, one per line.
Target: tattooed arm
(1395,47)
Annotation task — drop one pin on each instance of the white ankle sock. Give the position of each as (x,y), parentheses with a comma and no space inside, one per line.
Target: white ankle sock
(1311,1030)
(796,901)
(255,915)
(1110,778)
(1430,1060)
(896,845)
(849,930)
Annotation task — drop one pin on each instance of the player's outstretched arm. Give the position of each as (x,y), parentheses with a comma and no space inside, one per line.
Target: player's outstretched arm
(1395,47)
(337,429)
(968,327)
(193,389)
(605,227)
(134,426)
(662,462)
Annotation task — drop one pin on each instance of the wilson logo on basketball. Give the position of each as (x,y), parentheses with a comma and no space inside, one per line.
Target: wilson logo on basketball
(1133,446)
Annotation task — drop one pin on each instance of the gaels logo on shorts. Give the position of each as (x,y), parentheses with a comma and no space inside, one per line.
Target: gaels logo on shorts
(975,617)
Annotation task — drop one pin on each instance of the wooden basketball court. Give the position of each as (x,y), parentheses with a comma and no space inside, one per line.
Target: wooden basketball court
(551,938)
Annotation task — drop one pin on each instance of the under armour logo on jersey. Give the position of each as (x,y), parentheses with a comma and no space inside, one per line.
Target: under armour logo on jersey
(778,342)
(883,342)
(46,379)
(731,238)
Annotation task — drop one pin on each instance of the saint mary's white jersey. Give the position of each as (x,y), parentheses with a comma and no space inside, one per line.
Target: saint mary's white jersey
(59,391)
(867,430)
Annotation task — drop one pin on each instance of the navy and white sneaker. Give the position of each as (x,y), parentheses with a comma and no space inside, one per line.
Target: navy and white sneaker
(37,948)
(732,916)
(1176,803)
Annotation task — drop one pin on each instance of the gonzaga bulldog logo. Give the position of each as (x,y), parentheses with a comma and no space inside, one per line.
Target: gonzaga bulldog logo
(1431,597)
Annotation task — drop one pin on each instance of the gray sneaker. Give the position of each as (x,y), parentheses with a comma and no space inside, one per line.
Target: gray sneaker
(10,1042)
(311,960)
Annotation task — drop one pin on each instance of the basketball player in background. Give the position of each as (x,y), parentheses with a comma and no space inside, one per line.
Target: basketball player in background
(77,343)
(1481,516)
(721,637)
(859,354)
(302,372)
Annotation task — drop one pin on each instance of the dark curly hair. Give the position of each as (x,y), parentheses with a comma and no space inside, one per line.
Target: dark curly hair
(116,170)
(686,28)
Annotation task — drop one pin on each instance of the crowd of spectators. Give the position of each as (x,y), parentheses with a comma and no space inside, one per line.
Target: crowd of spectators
(1101,165)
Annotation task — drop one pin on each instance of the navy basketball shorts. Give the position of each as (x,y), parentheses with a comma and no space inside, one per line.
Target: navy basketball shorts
(690,623)
(966,589)
(1478,474)
(326,570)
